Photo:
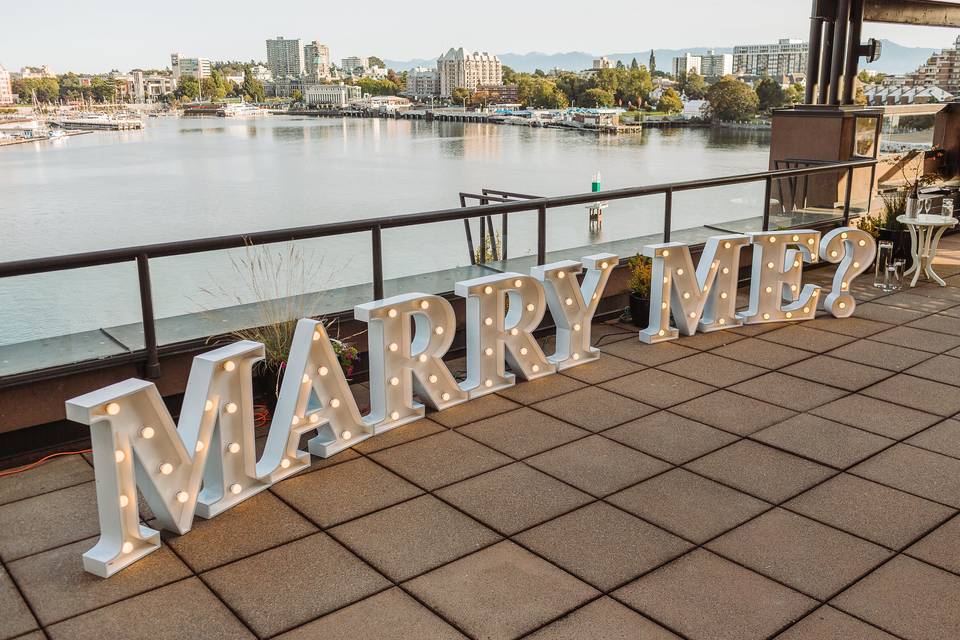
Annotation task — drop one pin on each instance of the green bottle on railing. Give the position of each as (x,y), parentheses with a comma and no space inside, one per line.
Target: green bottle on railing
(595,186)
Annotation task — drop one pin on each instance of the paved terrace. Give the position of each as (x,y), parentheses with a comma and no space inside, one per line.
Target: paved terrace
(769,481)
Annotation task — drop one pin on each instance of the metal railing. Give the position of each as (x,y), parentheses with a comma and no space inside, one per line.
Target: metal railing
(507,204)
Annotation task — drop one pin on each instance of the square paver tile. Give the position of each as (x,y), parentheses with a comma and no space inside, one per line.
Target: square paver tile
(513,498)
(602,545)
(603,618)
(760,470)
(709,340)
(276,590)
(388,615)
(826,623)
(14,612)
(185,609)
(852,326)
(908,598)
(648,354)
(754,329)
(880,354)
(670,437)
(917,339)
(874,415)
(870,510)
(57,586)
(657,388)
(806,338)
(918,471)
(916,302)
(943,368)
(473,410)
(837,373)
(54,474)
(769,355)
(823,440)
(502,591)
(400,435)
(440,459)
(886,313)
(917,393)
(413,537)
(689,505)
(943,438)
(810,557)
(732,412)
(941,546)
(594,408)
(597,465)
(48,520)
(793,393)
(522,432)
(606,368)
(941,323)
(540,389)
(705,597)
(712,369)
(343,492)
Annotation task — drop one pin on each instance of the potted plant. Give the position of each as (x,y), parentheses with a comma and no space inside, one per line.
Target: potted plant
(889,228)
(640,272)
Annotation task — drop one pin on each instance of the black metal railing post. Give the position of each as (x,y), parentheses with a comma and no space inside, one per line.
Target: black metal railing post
(667,214)
(542,234)
(846,197)
(768,187)
(152,366)
(376,245)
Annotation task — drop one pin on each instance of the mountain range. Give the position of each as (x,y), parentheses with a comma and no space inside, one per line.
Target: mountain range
(894,59)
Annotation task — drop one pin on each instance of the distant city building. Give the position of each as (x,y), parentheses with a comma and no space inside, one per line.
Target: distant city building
(43,71)
(786,57)
(878,95)
(423,82)
(501,93)
(602,62)
(184,67)
(6,88)
(687,63)
(715,65)
(285,58)
(316,60)
(149,88)
(355,64)
(261,73)
(467,70)
(941,70)
(331,95)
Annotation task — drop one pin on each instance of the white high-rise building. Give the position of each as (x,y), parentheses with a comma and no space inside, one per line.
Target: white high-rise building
(423,82)
(6,88)
(285,58)
(355,64)
(687,63)
(183,67)
(468,70)
(716,65)
(786,57)
(316,60)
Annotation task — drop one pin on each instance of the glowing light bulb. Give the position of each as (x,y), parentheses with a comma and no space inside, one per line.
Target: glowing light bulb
(793,287)
(182,496)
(576,356)
(561,275)
(523,351)
(843,285)
(208,405)
(686,295)
(806,309)
(568,301)
(346,435)
(665,280)
(119,455)
(334,402)
(844,235)
(285,463)
(604,265)
(422,357)
(576,327)
(693,314)
(842,305)
(862,243)
(594,297)
(714,265)
(666,253)
(235,488)
(856,265)
(199,446)
(394,381)
(769,289)
(833,254)
(796,264)
(723,295)
(393,346)
(438,331)
(305,379)
(112,409)
(295,421)
(124,501)
(444,396)
(147,432)
(788,315)
(769,265)
(230,407)
(392,313)
(395,415)
(772,239)
(323,371)
(722,321)
(810,241)
(229,365)
(488,290)
(432,379)
(488,321)
(679,272)
(725,270)
(488,351)
(127,547)
(766,316)
(530,307)
(663,305)
(518,283)
(535,368)
(726,245)
(661,332)
(314,418)
(796,238)
(488,383)
(424,304)
(233,447)
(166,468)
(316,336)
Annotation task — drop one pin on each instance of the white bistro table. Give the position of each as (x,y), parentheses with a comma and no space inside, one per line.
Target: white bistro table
(925,231)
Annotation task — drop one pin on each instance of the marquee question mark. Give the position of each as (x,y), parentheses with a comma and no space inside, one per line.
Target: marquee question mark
(854,249)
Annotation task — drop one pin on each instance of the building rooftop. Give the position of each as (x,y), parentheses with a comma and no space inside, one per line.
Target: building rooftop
(789,481)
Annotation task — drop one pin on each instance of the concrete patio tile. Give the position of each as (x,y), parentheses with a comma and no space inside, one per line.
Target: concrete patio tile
(48,520)
(870,510)
(826,623)
(522,432)
(943,438)
(786,391)
(918,339)
(440,459)
(602,545)
(226,538)
(916,471)
(803,337)
(917,393)
(941,546)
(657,388)
(953,312)
(277,590)
(852,326)
(594,408)
(603,618)
(14,612)
(388,615)
(185,609)
(769,355)
(57,473)
(942,368)
(343,492)
(934,290)
(705,597)
(938,322)
(732,412)
(540,389)
(874,415)
(823,440)
(670,437)
(597,465)
(810,557)
(710,340)
(886,313)
(761,471)
(473,410)
(689,505)
(880,354)
(751,330)
(712,369)
(317,463)
(837,373)
(513,498)
(421,534)
(501,592)
(916,302)
(406,433)
(57,587)
(648,354)
(907,598)
(606,368)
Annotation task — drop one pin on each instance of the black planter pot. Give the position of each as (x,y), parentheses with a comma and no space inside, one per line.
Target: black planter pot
(901,242)
(639,310)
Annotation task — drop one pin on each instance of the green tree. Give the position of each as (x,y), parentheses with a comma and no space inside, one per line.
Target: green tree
(731,99)
(635,87)
(480,99)
(104,89)
(794,94)
(509,75)
(297,95)
(374,61)
(218,87)
(187,87)
(459,94)
(693,86)
(252,88)
(670,102)
(770,94)
(540,93)
(46,89)
(599,97)
(633,65)
(376,87)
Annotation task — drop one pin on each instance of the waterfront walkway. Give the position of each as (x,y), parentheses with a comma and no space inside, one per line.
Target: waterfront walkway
(797,482)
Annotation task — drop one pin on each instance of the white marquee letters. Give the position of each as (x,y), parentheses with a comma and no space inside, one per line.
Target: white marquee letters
(778,258)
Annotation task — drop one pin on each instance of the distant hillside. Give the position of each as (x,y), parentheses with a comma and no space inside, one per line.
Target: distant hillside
(894,59)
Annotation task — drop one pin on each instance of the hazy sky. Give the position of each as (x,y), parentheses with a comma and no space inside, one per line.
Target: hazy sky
(99,35)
